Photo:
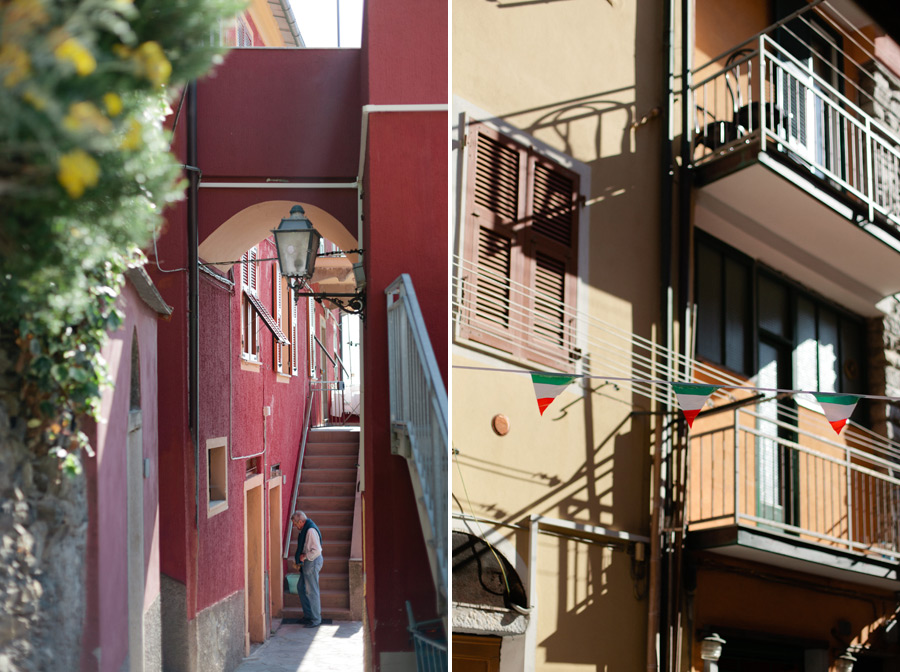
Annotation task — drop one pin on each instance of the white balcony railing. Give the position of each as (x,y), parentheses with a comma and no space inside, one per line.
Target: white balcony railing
(418,401)
(761,471)
(766,95)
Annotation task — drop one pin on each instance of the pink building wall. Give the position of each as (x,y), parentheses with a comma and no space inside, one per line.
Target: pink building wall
(106,621)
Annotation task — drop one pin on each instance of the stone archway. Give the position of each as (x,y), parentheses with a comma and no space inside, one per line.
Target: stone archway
(253,224)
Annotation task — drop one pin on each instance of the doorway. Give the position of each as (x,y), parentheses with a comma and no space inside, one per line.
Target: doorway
(254,563)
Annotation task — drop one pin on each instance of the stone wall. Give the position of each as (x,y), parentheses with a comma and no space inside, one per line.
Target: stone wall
(212,642)
(43,529)
(884,368)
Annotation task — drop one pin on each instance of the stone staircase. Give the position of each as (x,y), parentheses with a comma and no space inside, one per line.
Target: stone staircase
(327,495)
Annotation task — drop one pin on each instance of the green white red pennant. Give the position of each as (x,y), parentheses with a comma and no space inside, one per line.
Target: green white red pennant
(548,386)
(692,398)
(837,407)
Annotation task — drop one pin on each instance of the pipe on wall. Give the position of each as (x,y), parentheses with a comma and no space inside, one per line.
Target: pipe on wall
(193,244)
(658,588)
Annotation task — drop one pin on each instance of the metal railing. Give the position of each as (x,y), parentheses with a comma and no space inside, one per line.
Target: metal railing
(314,389)
(330,407)
(418,401)
(764,94)
(430,647)
(757,469)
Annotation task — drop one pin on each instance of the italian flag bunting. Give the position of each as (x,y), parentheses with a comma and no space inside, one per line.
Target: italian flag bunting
(548,386)
(837,407)
(691,398)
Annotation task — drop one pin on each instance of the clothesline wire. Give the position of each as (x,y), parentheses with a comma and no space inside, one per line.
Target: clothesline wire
(647,381)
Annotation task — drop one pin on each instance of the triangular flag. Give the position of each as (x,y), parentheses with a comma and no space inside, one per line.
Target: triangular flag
(837,407)
(691,398)
(547,387)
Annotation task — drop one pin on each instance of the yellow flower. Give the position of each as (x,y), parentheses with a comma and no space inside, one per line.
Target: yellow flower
(121,50)
(153,62)
(77,170)
(15,60)
(32,96)
(133,137)
(113,104)
(74,51)
(86,116)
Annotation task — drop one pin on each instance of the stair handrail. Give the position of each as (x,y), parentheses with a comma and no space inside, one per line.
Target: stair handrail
(419,419)
(287,532)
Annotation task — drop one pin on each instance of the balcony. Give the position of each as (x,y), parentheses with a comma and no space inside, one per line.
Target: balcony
(789,168)
(767,484)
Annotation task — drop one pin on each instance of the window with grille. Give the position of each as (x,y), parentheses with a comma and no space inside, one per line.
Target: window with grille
(249,318)
(519,270)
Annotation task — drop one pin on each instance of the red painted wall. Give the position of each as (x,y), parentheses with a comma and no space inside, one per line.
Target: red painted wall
(406,52)
(405,231)
(281,113)
(240,416)
(106,621)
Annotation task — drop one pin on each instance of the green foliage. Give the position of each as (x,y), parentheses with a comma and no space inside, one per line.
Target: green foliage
(85,174)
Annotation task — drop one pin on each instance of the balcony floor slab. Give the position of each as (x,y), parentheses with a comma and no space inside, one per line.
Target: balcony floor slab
(788,552)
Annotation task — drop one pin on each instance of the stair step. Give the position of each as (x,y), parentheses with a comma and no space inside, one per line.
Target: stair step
(334,434)
(334,565)
(339,599)
(338,549)
(315,506)
(333,614)
(328,475)
(326,490)
(329,462)
(317,448)
(327,518)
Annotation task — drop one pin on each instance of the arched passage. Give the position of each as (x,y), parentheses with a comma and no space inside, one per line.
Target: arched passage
(248,227)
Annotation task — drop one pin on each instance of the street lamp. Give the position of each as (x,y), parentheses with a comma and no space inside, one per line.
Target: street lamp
(297,242)
(844,662)
(711,651)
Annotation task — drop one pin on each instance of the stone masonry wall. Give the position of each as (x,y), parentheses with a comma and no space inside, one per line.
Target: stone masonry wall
(43,527)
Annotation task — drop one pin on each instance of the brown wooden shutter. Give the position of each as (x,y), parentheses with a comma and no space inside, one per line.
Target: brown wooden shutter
(519,270)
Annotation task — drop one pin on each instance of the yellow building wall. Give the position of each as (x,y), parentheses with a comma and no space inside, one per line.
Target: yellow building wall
(577,75)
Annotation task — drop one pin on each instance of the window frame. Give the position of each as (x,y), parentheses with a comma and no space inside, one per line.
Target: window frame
(250,346)
(216,475)
(845,320)
(519,330)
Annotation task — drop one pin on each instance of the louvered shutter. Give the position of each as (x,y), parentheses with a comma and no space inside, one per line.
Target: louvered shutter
(279,319)
(519,271)
(551,251)
(294,331)
(493,216)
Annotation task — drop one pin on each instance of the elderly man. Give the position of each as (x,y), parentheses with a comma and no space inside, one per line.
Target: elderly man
(308,559)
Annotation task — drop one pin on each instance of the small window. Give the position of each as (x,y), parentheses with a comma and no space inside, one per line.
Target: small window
(217,472)
(249,318)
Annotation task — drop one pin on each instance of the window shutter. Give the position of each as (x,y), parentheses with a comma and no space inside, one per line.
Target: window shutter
(554,214)
(245,269)
(252,256)
(519,268)
(497,178)
(279,318)
(550,294)
(294,332)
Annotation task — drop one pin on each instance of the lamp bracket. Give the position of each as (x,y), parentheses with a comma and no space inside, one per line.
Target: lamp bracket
(354,304)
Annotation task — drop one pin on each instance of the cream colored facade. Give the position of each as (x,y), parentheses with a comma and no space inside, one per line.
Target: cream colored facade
(572,80)
(773,532)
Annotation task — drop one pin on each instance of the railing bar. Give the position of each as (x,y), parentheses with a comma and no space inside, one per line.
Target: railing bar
(760,34)
(792,528)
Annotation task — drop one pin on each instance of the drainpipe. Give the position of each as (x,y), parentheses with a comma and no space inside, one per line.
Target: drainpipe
(193,292)
(658,589)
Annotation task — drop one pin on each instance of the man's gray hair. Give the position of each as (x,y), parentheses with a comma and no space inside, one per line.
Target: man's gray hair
(298,515)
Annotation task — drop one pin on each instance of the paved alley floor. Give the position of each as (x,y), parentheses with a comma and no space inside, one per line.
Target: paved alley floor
(293,648)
